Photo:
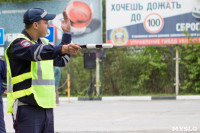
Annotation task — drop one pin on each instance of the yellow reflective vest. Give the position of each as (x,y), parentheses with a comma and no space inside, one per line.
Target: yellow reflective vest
(42,85)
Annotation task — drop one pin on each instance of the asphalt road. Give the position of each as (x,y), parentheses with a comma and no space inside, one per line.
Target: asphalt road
(158,116)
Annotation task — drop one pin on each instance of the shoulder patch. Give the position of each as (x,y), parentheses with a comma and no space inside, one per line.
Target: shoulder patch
(25,43)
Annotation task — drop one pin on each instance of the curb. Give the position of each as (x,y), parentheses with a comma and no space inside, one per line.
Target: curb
(164,98)
(132,98)
(191,97)
(128,98)
(89,98)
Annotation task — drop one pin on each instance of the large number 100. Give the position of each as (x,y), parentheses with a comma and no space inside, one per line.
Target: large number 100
(153,22)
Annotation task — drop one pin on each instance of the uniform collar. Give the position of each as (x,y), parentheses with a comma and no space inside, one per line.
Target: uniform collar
(26,34)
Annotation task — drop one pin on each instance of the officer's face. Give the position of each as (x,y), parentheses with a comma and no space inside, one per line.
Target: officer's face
(42,29)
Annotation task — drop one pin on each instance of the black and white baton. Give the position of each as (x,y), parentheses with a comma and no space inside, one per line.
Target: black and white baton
(94,46)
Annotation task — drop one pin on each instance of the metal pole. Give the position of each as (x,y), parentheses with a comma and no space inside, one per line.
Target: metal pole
(97,76)
(101,77)
(68,80)
(177,71)
(173,87)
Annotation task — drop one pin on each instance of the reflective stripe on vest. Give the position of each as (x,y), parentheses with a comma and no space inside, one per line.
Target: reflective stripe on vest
(41,81)
(43,84)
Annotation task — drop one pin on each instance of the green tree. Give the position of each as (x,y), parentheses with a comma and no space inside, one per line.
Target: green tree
(130,71)
(190,60)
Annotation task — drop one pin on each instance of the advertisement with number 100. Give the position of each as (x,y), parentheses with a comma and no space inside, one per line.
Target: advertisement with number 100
(152,22)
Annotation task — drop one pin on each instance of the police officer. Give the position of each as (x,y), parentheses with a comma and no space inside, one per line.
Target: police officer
(2,89)
(30,76)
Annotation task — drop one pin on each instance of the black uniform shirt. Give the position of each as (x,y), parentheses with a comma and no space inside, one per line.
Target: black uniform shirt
(21,52)
(2,75)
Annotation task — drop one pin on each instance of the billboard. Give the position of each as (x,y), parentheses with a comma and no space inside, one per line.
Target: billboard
(151,22)
(85,16)
(51,35)
(1,37)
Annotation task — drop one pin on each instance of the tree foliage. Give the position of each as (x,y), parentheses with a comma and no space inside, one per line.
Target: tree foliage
(130,71)
(190,60)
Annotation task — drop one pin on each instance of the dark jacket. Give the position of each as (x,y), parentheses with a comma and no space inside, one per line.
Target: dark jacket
(2,75)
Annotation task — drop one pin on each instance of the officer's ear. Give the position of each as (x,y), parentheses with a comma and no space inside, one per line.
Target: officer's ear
(35,25)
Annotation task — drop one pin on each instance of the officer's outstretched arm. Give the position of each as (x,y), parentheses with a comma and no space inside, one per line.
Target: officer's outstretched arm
(71,49)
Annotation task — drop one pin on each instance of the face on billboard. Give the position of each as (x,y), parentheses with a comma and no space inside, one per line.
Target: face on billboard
(80,14)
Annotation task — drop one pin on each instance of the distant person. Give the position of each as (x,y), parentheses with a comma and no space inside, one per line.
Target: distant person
(30,59)
(57,74)
(2,90)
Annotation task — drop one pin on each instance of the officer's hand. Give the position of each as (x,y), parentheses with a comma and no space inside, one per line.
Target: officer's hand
(66,24)
(5,92)
(71,49)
